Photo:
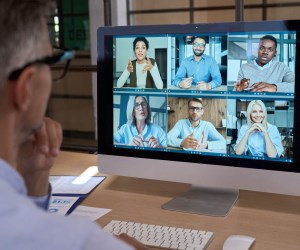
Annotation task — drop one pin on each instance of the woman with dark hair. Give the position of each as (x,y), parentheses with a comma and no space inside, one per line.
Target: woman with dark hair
(258,137)
(139,130)
(143,71)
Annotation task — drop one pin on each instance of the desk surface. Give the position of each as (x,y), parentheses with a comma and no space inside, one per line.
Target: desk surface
(274,220)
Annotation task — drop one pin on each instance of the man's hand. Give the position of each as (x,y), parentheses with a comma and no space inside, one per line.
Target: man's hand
(189,142)
(203,85)
(186,83)
(242,84)
(148,65)
(129,66)
(36,157)
(203,143)
(263,87)
(133,242)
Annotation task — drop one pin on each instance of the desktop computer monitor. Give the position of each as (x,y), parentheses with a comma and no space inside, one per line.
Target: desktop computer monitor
(214,105)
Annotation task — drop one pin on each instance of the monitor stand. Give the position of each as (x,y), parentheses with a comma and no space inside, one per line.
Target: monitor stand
(205,201)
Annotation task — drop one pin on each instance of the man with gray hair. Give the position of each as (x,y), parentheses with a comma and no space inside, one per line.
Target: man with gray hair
(30,142)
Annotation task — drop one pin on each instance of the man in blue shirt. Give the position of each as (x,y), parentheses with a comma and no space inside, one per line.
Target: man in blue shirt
(30,142)
(200,70)
(195,134)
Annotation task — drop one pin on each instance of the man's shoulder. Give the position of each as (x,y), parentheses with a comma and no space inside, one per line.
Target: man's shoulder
(248,64)
(40,222)
(183,122)
(17,208)
(188,59)
(207,57)
(206,123)
(279,64)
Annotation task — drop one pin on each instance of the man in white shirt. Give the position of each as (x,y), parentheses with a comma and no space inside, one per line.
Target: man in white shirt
(30,142)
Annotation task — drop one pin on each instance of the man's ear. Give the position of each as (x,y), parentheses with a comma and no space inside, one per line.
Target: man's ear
(22,89)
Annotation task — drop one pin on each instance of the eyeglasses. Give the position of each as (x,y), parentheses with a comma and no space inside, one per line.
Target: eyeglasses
(59,56)
(142,104)
(198,109)
(201,45)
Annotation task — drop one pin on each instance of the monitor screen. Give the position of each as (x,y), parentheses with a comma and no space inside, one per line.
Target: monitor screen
(211,104)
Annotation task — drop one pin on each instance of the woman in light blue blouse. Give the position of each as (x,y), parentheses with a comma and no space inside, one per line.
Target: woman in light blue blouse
(258,137)
(139,130)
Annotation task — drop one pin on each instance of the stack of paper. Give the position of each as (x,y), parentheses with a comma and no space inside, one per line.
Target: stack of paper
(69,191)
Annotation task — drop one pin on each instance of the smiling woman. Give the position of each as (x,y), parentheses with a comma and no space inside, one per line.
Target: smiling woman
(258,137)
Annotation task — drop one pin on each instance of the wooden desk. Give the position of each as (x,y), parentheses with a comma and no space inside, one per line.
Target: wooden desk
(274,220)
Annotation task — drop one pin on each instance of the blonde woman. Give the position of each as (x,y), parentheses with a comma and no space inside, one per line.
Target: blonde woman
(258,137)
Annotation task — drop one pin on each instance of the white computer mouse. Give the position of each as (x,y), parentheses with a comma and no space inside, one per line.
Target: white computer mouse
(238,242)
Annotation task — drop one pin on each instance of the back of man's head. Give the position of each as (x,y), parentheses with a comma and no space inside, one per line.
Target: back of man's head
(21,32)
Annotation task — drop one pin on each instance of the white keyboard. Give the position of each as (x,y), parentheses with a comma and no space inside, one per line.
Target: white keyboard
(162,236)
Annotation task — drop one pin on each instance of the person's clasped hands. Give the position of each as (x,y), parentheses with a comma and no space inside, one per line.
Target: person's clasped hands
(257,127)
